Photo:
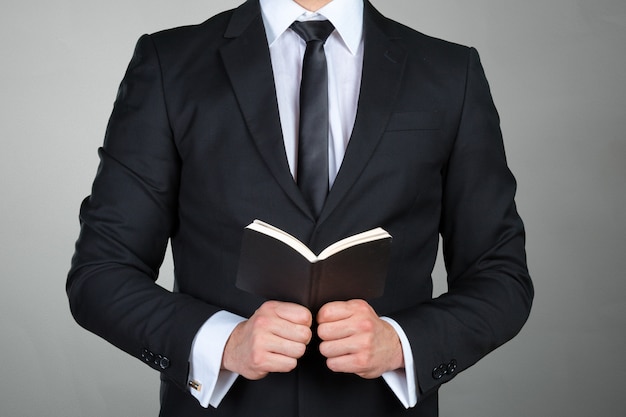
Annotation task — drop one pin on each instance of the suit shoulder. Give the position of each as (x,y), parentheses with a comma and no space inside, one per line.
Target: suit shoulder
(211,29)
(414,40)
(423,45)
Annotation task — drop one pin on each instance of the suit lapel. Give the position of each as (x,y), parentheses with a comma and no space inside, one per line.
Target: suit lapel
(247,61)
(383,66)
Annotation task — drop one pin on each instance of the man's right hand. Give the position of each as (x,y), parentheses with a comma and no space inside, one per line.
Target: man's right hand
(272,340)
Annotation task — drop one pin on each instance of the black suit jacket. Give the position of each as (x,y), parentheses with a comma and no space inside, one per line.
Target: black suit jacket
(194,152)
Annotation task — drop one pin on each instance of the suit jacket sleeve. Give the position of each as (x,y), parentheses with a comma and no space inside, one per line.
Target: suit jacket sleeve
(490,292)
(125,226)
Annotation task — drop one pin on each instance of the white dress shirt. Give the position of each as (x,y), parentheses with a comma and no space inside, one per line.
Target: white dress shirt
(344,54)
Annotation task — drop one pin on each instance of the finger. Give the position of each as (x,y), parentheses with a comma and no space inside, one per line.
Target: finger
(337,348)
(334,349)
(363,320)
(264,362)
(285,347)
(281,363)
(354,365)
(252,351)
(334,311)
(266,319)
(291,332)
(335,330)
(294,313)
(352,355)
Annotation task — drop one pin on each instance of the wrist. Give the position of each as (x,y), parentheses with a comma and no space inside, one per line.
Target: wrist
(396,352)
(228,363)
(398,361)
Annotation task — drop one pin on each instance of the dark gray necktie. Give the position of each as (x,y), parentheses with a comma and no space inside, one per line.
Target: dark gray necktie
(312,172)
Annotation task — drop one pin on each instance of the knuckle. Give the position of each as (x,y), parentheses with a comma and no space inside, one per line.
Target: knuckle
(323,348)
(299,350)
(362,362)
(306,335)
(332,365)
(308,318)
(257,343)
(270,305)
(257,359)
(262,322)
(322,331)
(366,326)
(291,364)
(260,375)
(322,314)
(302,316)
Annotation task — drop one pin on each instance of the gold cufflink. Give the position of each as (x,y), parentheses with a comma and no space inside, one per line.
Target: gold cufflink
(195,385)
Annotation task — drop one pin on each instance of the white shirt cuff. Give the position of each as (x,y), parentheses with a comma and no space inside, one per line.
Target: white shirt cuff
(208,383)
(402,381)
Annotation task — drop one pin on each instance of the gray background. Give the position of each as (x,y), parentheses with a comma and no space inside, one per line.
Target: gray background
(558,76)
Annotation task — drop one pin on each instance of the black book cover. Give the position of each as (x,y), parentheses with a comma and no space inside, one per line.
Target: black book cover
(273,268)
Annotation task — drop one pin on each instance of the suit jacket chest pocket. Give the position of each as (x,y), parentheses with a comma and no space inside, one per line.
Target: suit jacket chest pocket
(417,137)
(407,166)
(415,120)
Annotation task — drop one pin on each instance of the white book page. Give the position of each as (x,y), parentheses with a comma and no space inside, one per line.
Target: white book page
(286,238)
(368,236)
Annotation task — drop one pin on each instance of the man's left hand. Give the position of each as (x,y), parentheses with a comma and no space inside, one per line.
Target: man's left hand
(355,340)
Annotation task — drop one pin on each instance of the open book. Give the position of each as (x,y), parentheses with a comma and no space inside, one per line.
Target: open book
(277,266)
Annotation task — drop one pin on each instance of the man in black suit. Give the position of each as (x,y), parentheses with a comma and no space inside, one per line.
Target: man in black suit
(203,139)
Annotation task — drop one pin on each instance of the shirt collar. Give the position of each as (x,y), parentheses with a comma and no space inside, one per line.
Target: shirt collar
(345,15)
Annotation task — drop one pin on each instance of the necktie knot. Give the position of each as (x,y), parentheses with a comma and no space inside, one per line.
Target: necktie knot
(313,30)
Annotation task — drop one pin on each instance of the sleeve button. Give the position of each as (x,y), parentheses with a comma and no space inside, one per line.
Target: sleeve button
(451,368)
(164,363)
(439,371)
